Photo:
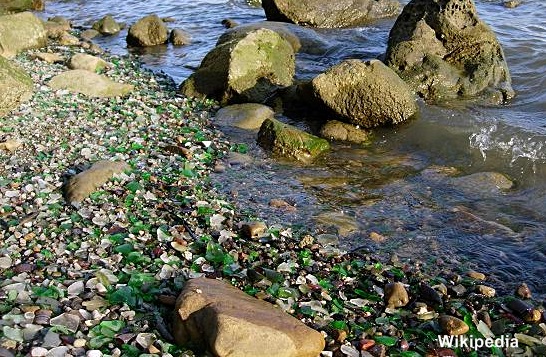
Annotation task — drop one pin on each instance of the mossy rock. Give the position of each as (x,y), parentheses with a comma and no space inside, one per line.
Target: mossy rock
(247,69)
(288,141)
(16,86)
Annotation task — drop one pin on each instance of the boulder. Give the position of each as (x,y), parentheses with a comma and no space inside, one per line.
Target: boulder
(443,50)
(48,57)
(328,13)
(367,94)
(227,322)
(57,27)
(249,116)
(87,62)
(288,141)
(90,84)
(302,39)
(83,184)
(179,37)
(247,69)
(19,32)
(107,26)
(13,6)
(337,130)
(15,86)
(148,31)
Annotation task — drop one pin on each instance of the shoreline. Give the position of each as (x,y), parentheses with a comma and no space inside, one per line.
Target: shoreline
(126,251)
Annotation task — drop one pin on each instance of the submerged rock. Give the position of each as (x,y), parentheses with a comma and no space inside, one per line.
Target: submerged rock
(367,94)
(15,86)
(19,32)
(249,116)
(107,26)
(443,50)
(148,31)
(247,69)
(90,84)
(83,184)
(327,13)
(227,322)
(336,130)
(288,141)
(179,37)
(11,6)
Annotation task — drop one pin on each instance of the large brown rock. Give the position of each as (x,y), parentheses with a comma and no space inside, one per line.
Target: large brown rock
(367,94)
(12,6)
(246,69)
(107,26)
(148,31)
(328,13)
(227,322)
(19,32)
(89,83)
(443,50)
(15,86)
(83,184)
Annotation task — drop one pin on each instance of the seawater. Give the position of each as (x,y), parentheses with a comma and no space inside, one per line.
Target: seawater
(395,186)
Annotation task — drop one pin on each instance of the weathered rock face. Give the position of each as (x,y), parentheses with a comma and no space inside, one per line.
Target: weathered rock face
(328,13)
(249,116)
(367,94)
(227,322)
(288,141)
(247,69)
(443,50)
(337,130)
(107,26)
(12,6)
(148,31)
(87,62)
(15,86)
(90,84)
(20,32)
(83,184)
(302,39)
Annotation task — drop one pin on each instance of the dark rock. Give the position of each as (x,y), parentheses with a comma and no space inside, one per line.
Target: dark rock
(428,294)
(443,50)
(457,290)
(523,291)
(367,94)
(288,141)
(179,37)
(247,69)
(327,13)
(148,31)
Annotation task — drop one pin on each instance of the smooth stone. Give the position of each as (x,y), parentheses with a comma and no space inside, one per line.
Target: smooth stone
(249,116)
(5,262)
(19,32)
(90,84)
(66,39)
(79,342)
(83,184)
(523,291)
(49,57)
(14,334)
(228,322)
(452,326)
(107,26)
(396,295)
(38,352)
(485,290)
(67,320)
(253,229)
(87,62)
(89,34)
(476,275)
(30,331)
(94,353)
(51,339)
(60,351)
(76,288)
(148,31)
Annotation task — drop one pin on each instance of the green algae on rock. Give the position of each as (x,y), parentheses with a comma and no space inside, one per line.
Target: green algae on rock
(288,141)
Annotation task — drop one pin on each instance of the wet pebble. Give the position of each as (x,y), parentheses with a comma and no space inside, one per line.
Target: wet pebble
(396,295)
(523,291)
(452,326)
(485,290)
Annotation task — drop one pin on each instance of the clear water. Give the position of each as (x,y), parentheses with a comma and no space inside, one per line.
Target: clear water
(392,187)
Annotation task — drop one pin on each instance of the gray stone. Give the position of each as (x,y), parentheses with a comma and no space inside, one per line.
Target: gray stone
(30,331)
(443,50)
(249,116)
(90,84)
(66,320)
(51,339)
(5,262)
(327,13)
(367,94)
(19,32)
(87,62)
(38,352)
(60,351)
(148,31)
(248,69)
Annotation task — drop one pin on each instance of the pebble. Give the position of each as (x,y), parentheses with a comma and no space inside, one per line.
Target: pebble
(396,295)
(145,339)
(76,288)
(79,342)
(523,291)
(69,321)
(485,290)
(93,353)
(5,262)
(38,352)
(51,339)
(452,326)
(60,351)
(253,229)
(475,275)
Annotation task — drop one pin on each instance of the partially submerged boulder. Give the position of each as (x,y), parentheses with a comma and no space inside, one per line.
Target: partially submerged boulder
(148,31)
(301,39)
(367,94)
(224,320)
(443,50)
(249,116)
(179,37)
(15,86)
(83,184)
(19,32)
(328,13)
(107,26)
(337,130)
(90,84)
(288,141)
(247,69)
(87,62)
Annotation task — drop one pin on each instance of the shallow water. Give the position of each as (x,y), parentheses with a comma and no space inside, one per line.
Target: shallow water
(395,187)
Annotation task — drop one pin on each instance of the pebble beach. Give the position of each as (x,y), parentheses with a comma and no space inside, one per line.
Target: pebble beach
(100,277)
